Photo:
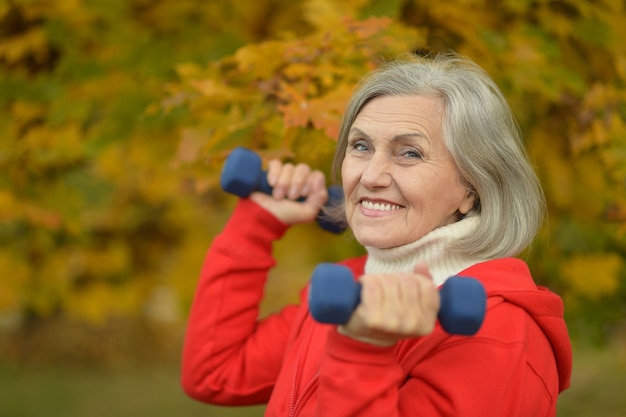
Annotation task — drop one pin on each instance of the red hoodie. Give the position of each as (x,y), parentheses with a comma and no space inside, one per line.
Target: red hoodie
(516,365)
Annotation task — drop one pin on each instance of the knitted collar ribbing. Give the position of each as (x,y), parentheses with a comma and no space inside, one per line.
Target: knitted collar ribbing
(432,248)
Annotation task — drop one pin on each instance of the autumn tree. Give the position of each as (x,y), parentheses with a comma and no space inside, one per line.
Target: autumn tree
(91,217)
(562,65)
(117,116)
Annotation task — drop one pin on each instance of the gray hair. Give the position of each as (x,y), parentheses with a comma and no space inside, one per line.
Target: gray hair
(483,139)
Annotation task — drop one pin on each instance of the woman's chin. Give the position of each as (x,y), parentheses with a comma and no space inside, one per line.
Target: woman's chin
(377,241)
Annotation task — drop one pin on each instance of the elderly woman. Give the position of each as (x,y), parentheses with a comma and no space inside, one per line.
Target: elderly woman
(436,183)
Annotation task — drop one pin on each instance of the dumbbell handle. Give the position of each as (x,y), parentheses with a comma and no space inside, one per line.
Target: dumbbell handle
(242,175)
(334,294)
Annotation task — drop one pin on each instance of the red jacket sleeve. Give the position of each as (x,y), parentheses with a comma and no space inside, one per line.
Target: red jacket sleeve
(229,356)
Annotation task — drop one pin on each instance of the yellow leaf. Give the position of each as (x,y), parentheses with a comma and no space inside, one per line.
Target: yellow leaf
(213,89)
(15,274)
(92,304)
(593,276)
(42,217)
(556,172)
(188,70)
(32,42)
(26,111)
(295,113)
(263,58)
(189,147)
(324,14)
(9,208)
(326,112)
(367,28)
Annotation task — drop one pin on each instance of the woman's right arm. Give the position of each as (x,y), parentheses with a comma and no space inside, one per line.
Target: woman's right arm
(229,356)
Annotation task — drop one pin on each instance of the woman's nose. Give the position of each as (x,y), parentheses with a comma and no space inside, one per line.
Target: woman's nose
(377,173)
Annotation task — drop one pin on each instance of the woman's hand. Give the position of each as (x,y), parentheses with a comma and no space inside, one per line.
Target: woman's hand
(291,182)
(394,307)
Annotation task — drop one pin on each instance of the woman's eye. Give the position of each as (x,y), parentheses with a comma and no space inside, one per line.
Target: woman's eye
(359,146)
(411,154)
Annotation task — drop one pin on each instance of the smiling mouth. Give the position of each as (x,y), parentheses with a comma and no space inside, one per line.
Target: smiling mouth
(370,205)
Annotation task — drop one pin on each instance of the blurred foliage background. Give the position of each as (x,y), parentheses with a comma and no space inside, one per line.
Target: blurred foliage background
(116,117)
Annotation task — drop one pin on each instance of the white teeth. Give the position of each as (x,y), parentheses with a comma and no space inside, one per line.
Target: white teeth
(378,206)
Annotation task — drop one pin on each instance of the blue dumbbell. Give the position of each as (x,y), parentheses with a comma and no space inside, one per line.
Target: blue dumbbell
(242,174)
(334,294)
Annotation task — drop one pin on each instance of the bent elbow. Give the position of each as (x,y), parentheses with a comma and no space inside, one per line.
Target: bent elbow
(202,387)
(194,383)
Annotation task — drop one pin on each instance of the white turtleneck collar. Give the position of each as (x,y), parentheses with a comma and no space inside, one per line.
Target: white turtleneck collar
(432,249)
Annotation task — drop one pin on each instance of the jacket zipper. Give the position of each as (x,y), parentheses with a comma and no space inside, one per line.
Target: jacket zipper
(306,392)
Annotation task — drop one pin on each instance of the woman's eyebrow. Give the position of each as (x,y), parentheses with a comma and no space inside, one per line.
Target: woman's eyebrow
(404,136)
(355,131)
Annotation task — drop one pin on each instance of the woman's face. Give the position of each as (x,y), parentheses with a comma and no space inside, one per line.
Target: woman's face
(399,180)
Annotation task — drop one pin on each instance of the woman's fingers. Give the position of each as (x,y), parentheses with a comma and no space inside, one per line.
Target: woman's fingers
(288,180)
(394,307)
(291,182)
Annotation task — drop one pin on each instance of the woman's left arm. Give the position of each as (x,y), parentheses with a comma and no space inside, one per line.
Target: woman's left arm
(442,375)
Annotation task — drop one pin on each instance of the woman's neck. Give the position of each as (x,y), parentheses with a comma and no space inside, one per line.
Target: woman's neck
(434,249)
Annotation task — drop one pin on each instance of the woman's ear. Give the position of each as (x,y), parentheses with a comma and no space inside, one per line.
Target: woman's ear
(469,201)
